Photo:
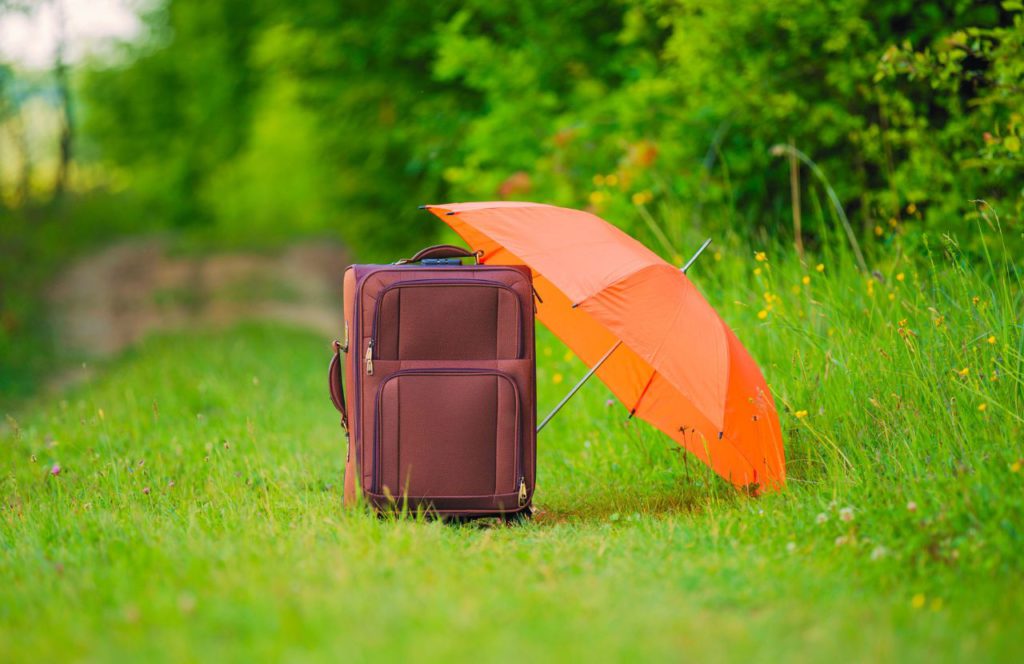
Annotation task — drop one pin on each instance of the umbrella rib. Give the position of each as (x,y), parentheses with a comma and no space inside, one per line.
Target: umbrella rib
(643,393)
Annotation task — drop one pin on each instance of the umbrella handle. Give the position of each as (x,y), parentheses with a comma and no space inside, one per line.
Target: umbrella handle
(694,257)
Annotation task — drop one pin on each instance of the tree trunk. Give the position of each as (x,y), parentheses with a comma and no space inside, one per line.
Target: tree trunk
(66,140)
(20,136)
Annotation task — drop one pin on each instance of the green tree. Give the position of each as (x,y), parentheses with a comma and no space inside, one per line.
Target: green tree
(178,104)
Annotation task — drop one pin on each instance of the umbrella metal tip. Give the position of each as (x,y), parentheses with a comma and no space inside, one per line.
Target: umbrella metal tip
(449,213)
(422,207)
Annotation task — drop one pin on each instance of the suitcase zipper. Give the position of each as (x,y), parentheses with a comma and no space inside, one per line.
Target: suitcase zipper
(413,283)
(518,451)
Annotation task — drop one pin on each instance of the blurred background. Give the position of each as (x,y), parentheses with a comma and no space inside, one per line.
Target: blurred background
(177,163)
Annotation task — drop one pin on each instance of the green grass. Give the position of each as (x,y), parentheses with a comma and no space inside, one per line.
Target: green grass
(241,548)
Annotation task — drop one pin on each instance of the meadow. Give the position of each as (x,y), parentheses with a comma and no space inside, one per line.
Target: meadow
(186,503)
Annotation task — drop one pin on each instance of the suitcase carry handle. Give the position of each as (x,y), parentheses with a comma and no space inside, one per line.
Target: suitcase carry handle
(334,383)
(441,251)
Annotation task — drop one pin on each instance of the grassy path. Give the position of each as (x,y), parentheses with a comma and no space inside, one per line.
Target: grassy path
(186,504)
(196,514)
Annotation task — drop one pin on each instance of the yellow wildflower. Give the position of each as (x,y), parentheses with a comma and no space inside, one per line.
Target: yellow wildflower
(991,339)
(762,314)
(806,280)
(596,197)
(757,272)
(918,601)
(911,209)
(900,277)
(598,180)
(557,378)
(568,356)
(611,179)
(820,267)
(800,414)
(983,407)
(642,197)
(1015,466)
(718,255)
(892,296)
(760,256)
(965,371)
(879,231)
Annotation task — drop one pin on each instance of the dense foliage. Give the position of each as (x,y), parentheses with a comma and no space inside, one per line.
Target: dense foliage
(256,118)
(252,121)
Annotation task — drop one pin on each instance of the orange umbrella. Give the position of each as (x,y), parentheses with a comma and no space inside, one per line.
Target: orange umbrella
(672,362)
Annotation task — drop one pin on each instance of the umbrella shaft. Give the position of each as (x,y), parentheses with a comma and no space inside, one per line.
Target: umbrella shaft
(694,257)
(578,385)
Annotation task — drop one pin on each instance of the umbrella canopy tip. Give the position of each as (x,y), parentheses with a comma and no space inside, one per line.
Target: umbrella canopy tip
(449,213)
(422,207)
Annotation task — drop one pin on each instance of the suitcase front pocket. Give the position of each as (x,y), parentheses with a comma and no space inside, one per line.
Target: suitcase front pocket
(446,319)
(447,433)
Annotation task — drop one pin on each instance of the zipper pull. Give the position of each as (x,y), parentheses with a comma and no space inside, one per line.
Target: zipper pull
(522,492)
(369,358)
(344,345)
(536,299)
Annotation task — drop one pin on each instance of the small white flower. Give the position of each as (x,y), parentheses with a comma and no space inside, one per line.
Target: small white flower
(846,514)
(879,552)
(911,506)
(822,518)
(791,547)
(841,540)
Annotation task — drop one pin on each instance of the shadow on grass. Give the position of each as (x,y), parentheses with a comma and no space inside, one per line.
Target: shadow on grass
(582,509)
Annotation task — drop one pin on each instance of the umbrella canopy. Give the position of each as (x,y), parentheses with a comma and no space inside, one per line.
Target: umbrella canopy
(678,366)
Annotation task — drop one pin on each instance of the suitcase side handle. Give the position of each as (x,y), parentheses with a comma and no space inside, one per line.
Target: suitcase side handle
(334,383)
(441,251)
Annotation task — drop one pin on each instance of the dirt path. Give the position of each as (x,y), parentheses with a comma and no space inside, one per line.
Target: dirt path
(110,300)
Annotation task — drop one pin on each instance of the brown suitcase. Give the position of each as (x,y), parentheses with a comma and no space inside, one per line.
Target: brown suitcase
(440,383)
